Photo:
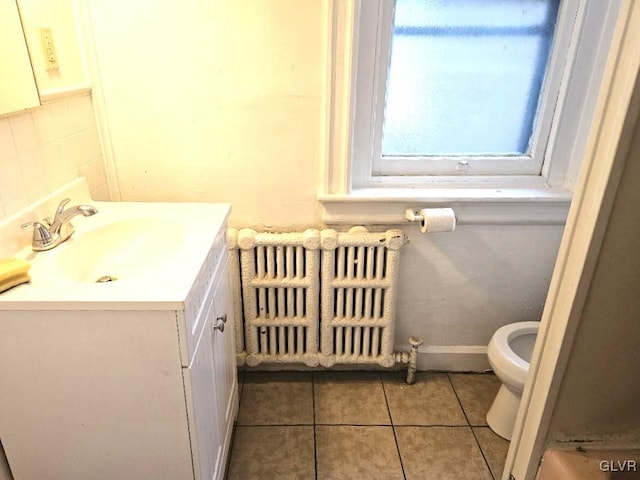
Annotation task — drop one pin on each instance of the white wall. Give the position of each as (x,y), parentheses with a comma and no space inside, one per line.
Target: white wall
(221,101)
(226,101)
(457,288)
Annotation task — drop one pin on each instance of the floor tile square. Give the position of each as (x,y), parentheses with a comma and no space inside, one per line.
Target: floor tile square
(276,398)
(494,448)
(350,398)
(476,392)
(357,453)
(283,453)
(441,453)
(430,401)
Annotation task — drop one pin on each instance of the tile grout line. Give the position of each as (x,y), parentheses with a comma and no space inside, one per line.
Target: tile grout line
(266,425)
(470,426)
(414,425)
(393,427)
(315,443)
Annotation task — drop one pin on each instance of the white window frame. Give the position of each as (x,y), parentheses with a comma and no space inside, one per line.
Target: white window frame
(579,52)
(375,29)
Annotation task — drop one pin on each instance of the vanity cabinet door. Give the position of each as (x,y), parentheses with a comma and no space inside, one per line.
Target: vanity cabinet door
(224,359)
(207,441)
(211,381)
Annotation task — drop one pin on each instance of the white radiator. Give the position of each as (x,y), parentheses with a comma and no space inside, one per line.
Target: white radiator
(318,297)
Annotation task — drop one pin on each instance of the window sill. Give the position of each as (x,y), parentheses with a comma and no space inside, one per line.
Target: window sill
(473,206)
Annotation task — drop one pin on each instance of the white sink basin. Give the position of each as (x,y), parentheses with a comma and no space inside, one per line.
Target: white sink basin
(151,252)
(120,250)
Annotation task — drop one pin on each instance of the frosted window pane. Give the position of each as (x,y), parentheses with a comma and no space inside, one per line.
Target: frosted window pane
(465,76)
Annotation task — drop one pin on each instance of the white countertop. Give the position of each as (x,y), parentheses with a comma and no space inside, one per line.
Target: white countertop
(160,287)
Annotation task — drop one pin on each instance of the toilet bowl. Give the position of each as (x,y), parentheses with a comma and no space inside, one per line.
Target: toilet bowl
(509,353)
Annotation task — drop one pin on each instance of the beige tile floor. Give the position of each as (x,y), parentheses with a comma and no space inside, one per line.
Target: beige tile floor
(365,425)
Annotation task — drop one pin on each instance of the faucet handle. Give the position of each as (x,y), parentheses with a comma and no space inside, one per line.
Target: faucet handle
(61,205)
(41,235)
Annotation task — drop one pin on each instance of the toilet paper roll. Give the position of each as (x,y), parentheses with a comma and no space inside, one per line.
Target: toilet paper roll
(437,220)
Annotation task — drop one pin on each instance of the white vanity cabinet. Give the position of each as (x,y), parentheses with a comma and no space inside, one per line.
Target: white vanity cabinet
(119,390)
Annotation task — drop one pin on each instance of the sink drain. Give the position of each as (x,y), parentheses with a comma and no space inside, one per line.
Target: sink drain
(105,279)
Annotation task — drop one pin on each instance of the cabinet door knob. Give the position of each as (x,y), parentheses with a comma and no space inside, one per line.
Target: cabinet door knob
(219,325)
(222,318)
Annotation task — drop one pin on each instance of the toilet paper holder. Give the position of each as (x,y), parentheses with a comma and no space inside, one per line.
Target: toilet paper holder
(411,215)
(417,215)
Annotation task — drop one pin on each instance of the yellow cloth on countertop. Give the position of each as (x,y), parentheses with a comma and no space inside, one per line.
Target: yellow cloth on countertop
(13,272)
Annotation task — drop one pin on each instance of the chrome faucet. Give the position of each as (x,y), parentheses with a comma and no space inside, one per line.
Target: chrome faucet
(51,233)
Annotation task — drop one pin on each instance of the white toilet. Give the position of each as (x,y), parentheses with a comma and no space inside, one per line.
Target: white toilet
(509,353)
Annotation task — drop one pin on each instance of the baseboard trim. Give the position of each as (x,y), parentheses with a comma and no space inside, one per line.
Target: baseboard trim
(443,358)
(453,358)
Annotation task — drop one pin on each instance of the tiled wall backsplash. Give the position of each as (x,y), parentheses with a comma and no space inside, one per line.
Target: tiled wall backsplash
(43,149)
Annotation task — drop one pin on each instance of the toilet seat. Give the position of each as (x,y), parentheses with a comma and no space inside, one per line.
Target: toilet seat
(507,365)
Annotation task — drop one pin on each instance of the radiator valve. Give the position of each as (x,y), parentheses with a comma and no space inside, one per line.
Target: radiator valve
(411,358)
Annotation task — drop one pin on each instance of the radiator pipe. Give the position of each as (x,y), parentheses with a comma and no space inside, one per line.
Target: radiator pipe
(411,358)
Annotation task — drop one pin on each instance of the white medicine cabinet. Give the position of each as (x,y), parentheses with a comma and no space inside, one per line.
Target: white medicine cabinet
(18,90)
